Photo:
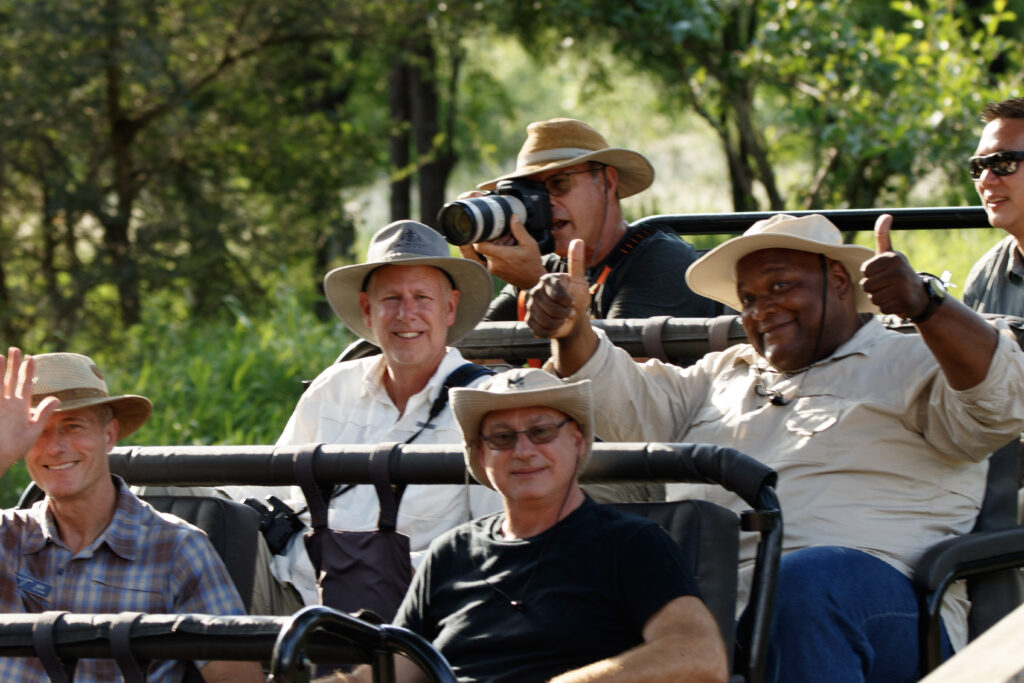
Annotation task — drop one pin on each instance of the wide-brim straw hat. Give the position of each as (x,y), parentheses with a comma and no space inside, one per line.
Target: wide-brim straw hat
(520,388)
(560,143)
(78,383)
(714,274)
(408,243)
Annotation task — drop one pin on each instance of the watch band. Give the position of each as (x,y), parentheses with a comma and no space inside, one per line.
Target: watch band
(936,295)
(927,312)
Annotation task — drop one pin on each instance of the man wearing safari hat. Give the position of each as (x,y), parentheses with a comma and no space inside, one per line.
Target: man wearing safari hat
(879,438)
(413,300)
(635,272)
(91,546)
(555,587)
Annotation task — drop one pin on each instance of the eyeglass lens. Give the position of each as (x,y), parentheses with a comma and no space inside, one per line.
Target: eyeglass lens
(537,434)
(561,183)
(1001,163)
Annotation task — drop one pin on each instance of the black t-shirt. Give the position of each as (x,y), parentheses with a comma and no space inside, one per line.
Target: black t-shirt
(650,280)
(589,585)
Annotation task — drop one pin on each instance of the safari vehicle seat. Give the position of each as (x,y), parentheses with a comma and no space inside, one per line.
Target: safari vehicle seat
(989,558)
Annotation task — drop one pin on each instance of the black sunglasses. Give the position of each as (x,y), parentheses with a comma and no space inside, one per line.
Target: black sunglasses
(1001,163)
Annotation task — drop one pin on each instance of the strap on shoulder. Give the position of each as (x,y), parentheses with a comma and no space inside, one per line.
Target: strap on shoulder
(459,377)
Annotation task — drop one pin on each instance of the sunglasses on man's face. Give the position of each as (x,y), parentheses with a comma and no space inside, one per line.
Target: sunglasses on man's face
(1001,163)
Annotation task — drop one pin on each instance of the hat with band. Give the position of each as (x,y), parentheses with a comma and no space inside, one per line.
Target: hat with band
(714,274)
(408,243)
(560,143)
(519,388)
(78,383)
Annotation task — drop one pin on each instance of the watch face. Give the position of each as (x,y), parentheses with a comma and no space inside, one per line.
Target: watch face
(936,289)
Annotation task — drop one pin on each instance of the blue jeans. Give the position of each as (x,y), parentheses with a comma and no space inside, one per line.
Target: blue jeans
(842,615)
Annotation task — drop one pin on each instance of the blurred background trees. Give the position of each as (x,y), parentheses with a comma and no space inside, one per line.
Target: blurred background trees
(187,167)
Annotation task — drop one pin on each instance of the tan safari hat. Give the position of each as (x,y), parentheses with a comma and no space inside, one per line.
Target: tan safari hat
(560,143)
(78,383)
(408,243)
(519,388)
(714,274)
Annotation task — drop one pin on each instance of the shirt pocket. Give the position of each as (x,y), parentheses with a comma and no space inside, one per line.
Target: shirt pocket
(809,429)
(813,415)
(132,590)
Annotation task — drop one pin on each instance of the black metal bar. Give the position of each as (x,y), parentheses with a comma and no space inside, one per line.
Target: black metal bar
(429,464)
(919,218)
(168,636)
(681,337)
(762,590)
(289,661)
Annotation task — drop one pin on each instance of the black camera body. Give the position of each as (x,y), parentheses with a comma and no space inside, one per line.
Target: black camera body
(278,523)
(486,218)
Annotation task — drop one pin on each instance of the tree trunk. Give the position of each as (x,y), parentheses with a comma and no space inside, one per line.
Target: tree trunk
(435,159)
(122,138)
(398,139)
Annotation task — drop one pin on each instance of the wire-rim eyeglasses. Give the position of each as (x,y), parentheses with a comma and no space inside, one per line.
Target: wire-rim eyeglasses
(537,434)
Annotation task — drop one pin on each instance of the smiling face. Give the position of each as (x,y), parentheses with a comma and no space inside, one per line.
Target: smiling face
(69,460)
(409,309)
(781,294)
(586,211)
(531,473)
(1003,196)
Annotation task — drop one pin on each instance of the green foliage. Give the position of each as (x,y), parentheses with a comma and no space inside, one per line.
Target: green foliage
(229,381)
(874,109)
(226,382)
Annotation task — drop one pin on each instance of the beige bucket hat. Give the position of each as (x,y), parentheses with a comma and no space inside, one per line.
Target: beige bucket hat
(408,243)
(560,143)
(78,383)
(714,274)
(519,388)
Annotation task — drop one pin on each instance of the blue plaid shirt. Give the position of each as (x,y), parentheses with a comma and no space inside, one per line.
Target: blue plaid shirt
(144,561)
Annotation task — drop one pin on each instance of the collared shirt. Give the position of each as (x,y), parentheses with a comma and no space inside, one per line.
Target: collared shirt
(144,561)
(996,282)
(873,448)
(348,404)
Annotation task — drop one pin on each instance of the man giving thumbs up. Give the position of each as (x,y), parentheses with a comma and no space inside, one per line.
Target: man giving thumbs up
(879,438)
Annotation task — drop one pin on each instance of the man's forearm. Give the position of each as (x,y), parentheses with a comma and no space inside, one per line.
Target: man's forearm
(962,343)
(570,353)
(658,662)
(230,671)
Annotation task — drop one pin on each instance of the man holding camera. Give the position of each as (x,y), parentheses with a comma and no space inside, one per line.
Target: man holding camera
(633,272)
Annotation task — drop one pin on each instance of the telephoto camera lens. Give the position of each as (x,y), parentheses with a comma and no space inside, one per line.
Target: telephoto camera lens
(488,217)
(479,219)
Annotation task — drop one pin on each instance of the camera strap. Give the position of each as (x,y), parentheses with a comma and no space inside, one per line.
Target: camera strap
(615,258)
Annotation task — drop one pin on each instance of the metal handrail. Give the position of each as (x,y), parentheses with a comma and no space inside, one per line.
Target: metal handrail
(289,663)
(915,218)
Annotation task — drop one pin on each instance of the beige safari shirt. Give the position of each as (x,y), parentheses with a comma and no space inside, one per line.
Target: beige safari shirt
(874,450)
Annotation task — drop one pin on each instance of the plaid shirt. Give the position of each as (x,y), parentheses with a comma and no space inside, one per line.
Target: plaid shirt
(144,561)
